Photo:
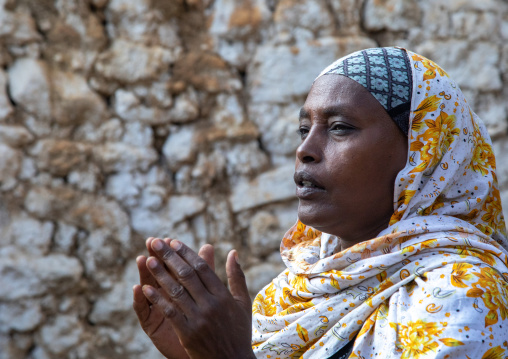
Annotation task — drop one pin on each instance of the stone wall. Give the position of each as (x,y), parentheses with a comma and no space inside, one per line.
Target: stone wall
(124,119)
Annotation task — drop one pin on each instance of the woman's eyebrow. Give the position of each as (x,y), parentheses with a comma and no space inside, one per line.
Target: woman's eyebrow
(335,111)
(303,114)
(327,112)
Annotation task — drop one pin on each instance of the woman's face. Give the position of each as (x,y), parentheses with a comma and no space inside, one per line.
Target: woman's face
(348,160)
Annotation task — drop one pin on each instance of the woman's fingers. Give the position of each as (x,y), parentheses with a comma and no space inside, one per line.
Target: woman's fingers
(168,309)
(141,305)
(145,277)
(187,267)
(149,320)
(236,280)
(173,290)
(195,273)
(207,253)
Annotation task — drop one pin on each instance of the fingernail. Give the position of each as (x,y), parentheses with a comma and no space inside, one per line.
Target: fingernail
(151,262)
(148,291)
(157,244)
(176,245)
(237,259)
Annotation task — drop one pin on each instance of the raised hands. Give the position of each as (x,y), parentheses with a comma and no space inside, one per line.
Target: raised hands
(186,310)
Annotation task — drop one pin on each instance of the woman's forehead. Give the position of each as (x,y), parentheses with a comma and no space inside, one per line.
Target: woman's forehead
(336,95)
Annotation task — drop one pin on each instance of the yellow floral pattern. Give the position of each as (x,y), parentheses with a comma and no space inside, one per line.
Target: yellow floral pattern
(493,290)
(417,338)
(443,259)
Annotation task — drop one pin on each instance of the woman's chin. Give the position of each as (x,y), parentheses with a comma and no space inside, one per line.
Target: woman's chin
(311,216)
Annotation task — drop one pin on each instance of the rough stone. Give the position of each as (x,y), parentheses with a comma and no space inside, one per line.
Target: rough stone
(153,197)
(161,223)
(347,16)
(185,108)
(113,157)
(14,135)
(124,187)
(28,169)
(229,121)
(138,135)
(258,276)
(65,238)
(128,62)
(73,100)
(474,25)
(275,65)
(264,236)
(237,53)
(129,108)
(494,114)
(117,302)
(272,186)
(157,93)
(141,22)
(61,334)
(392,15)
(12,348)
(20,316)
(311,15)
(437,20)
(24,30)
(9,167)
(26,276)
(86,179)
(5,105)
(208,169)
(30,88)
(237,19)
(455,5)
(461,62)
(85,211)
(279,136)
(176,149)
(59,157)
(504,201)
(30,235)
(206,72)
(245,159)
(74,37)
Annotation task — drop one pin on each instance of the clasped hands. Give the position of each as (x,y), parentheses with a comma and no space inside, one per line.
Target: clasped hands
(184,307)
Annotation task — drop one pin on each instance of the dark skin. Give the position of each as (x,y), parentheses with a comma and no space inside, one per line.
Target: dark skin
(351,152)
(353,149)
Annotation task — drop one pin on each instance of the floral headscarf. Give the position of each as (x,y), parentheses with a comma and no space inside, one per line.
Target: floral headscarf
(434,283)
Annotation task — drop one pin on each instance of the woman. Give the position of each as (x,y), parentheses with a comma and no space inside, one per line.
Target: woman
(400,249)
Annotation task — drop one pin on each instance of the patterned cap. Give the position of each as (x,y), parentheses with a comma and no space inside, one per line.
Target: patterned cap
(386,73)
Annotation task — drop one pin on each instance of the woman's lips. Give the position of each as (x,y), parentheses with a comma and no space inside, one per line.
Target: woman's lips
(307,186)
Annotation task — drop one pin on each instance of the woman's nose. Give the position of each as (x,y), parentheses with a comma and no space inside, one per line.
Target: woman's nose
(310,150)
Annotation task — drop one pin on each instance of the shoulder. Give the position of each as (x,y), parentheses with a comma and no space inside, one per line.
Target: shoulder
(458,309)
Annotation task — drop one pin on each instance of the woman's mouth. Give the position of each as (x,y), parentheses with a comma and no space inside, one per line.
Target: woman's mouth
(307,186)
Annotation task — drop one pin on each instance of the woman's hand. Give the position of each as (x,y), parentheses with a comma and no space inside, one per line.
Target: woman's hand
(152,320)
(208,320)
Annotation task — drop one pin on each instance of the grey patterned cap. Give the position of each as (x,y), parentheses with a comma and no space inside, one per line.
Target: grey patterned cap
(386,73)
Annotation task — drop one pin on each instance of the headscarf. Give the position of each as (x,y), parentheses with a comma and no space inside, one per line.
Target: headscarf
(386,74)
(432,284)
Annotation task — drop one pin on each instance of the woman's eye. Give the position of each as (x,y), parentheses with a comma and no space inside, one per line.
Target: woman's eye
(340,128)
(302,132)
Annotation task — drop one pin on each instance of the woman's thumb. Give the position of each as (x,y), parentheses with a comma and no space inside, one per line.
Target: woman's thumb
(236,280)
